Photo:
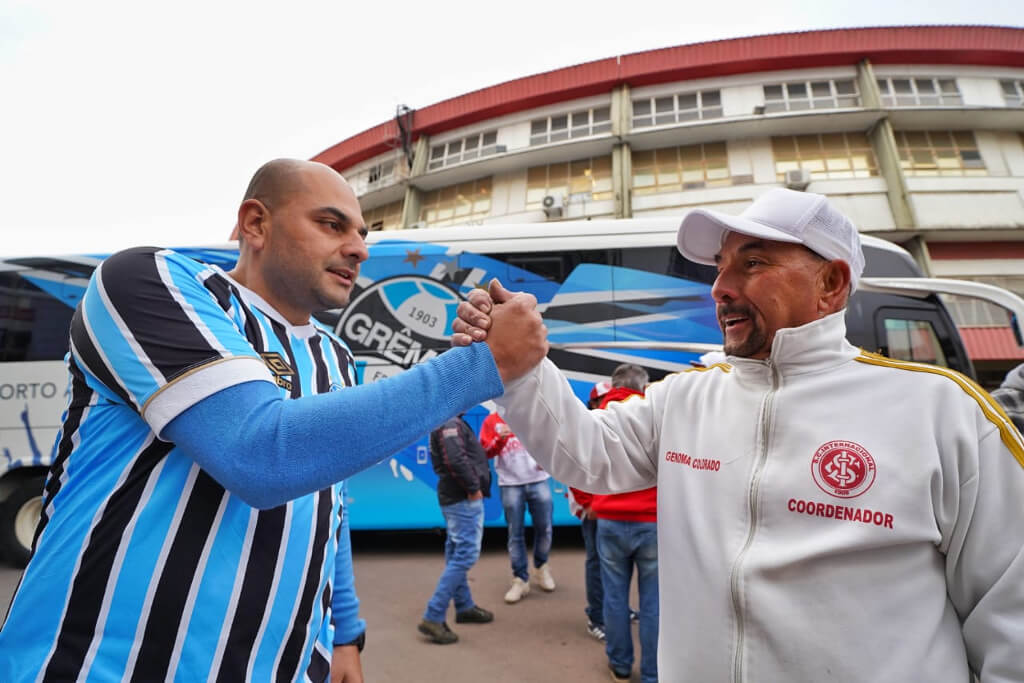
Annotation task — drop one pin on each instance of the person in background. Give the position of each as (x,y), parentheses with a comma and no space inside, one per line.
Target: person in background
(524,485)
(597,393)
(194,524)
(627,537)
(579,505)
(1010,395)
(464,480)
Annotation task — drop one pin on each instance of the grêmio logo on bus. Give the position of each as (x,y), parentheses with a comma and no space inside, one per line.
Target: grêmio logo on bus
(396,323)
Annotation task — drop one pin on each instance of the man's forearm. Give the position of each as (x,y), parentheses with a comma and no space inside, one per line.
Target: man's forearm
(258,445)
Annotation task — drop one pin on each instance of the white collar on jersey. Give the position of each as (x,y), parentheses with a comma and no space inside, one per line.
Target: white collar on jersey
(251,298)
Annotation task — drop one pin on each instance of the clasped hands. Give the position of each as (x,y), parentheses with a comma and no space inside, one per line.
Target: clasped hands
(508,323)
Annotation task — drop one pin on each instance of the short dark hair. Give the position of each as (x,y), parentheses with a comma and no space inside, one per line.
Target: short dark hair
(630,376)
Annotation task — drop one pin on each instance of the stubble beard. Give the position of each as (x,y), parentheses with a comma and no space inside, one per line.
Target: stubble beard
(756,339)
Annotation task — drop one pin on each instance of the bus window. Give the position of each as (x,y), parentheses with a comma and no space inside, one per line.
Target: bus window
(532,267)
(33,324)
(552,266)
(680,266)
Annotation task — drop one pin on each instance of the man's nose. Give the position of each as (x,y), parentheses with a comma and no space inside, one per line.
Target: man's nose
(356,249)
(723,288)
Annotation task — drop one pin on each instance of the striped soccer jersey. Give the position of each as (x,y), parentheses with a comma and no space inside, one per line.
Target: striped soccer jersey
(145,568)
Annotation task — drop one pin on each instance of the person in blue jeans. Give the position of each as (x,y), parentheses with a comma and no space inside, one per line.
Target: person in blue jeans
(627,536)
(523,485)
(622,545)
(464,479)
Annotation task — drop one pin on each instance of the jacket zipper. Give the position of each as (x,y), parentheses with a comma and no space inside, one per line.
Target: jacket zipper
(762,457)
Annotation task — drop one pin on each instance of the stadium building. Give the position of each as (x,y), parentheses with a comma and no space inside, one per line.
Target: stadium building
(917,133)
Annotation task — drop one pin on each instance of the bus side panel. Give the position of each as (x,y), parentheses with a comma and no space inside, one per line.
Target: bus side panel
(32,398)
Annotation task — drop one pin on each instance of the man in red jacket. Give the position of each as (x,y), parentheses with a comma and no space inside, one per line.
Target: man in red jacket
(626,536)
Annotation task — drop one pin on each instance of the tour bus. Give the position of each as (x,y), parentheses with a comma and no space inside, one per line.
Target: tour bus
(610,292)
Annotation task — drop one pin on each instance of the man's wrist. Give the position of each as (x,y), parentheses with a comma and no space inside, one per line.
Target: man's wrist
(359,641)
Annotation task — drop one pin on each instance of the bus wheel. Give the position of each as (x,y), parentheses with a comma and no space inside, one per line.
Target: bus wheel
(19,517)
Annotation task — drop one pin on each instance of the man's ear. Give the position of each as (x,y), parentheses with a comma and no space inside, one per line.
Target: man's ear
(253,223)
(835,287)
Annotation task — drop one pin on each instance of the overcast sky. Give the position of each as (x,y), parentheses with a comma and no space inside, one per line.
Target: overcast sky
(126,123)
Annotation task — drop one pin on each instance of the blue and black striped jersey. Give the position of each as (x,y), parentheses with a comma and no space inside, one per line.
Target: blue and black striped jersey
(145,568)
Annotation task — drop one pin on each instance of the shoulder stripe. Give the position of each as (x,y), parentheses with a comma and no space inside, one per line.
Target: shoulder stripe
(724,367)
(219,287)
(186,306)
(121,303)
(92,358)
(993,412)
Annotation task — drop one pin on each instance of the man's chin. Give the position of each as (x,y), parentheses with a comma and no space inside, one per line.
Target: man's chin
(746,348)
(334,300)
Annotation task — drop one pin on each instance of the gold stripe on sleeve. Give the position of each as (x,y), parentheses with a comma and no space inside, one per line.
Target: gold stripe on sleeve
(993,412)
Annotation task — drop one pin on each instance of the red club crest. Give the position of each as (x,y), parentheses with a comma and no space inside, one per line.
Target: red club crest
(843,469)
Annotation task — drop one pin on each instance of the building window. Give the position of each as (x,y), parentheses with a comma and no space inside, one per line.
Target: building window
(380,174)
(825,156)
(972,312)
(462,203)
(577,124)
(674,169)
(582,180)
(939,153)
(1013,92)
(801,95)
(680,108)
(919,92)
(465,149)
(387,217)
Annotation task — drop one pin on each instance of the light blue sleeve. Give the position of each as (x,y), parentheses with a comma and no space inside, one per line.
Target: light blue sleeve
(258,445)
(344,601)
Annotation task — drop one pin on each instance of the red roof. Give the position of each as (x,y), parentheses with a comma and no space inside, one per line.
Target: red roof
(964,45)
(991,343)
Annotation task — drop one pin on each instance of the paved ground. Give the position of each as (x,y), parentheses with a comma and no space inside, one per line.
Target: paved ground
(541,639)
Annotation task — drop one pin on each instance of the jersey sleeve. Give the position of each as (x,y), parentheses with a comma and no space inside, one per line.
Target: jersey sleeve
(156,338)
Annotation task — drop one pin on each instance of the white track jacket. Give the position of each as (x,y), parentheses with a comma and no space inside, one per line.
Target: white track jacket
(827,514)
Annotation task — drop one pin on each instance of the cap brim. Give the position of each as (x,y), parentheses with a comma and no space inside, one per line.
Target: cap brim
(700,234)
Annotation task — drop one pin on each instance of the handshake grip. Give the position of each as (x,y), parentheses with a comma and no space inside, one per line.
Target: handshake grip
(509,323)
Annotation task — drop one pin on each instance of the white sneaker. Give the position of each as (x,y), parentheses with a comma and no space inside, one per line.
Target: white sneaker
(544,578)
(517,591)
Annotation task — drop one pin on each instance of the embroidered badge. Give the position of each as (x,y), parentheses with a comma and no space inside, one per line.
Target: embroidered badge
(843,469)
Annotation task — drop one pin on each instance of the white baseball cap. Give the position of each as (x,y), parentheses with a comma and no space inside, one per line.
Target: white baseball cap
(784,216)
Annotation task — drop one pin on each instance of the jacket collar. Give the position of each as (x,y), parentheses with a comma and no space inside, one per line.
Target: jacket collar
(815,346)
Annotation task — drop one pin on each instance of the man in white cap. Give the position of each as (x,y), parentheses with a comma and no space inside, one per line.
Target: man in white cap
(823,512)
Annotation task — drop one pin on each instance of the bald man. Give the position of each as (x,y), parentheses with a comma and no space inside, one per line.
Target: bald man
(193,525)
